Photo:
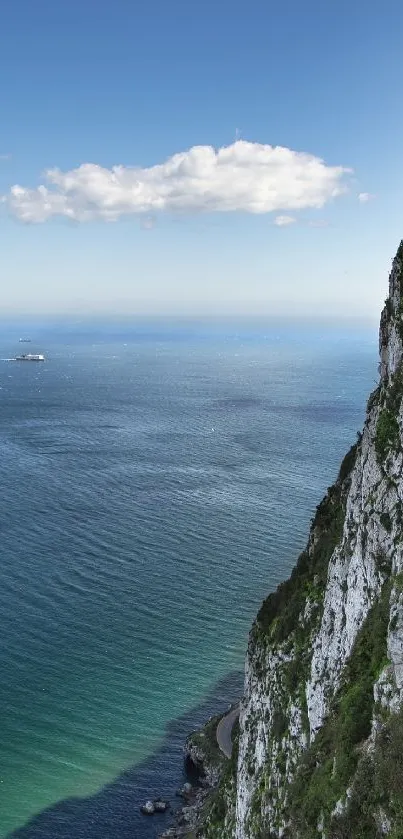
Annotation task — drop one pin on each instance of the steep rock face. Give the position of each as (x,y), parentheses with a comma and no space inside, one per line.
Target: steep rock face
(276,718)
(324,670)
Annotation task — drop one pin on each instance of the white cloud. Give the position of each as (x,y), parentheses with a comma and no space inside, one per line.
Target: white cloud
(284,221)
(320,223)
(5,156)
(249,177)
(364,197)
(148,223)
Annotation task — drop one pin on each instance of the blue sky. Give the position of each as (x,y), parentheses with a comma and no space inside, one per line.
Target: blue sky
(133,84)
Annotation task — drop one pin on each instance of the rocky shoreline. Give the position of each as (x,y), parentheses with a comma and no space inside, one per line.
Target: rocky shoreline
(188,818)
(204,764)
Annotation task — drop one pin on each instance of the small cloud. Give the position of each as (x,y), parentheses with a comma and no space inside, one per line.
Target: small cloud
(364,197)
(284,221)
(320,222)
(5,156)
(148,223)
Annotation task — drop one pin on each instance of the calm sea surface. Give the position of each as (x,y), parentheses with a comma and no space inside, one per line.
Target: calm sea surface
(156,481)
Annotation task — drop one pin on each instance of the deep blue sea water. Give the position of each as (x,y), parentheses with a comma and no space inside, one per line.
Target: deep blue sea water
(157,480)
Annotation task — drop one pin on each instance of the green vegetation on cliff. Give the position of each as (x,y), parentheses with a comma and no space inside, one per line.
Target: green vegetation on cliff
(203,748)
(280,613)
(278,623)
(387,433)
(387,438)
(328,766)
(376,797)
(219,814)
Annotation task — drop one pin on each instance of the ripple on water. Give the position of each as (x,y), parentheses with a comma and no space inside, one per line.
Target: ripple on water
(137,544)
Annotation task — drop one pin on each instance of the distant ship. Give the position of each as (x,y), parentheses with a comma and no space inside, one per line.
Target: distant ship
(25,340)
(30,357)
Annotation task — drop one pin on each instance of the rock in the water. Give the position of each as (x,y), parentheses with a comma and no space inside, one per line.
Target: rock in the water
(160,806)
(185,791)
(148,809)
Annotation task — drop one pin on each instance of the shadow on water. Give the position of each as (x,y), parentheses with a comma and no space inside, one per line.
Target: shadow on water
(113,812)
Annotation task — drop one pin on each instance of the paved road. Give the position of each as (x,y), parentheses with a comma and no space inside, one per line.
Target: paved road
(224,731)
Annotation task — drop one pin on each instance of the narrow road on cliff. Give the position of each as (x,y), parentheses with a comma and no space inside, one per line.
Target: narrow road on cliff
(224,731)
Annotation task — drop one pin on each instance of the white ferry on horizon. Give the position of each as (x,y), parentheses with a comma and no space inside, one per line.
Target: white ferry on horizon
(30,357)
(25,340)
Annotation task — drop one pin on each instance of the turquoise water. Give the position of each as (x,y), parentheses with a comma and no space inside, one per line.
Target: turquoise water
(157,480)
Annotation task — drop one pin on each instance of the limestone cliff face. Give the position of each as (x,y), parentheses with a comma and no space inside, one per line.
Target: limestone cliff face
(324,669)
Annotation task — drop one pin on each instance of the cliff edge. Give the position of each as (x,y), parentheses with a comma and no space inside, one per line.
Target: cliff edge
(320,750)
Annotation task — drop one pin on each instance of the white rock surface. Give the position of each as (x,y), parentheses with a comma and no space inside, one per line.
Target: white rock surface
(356,572)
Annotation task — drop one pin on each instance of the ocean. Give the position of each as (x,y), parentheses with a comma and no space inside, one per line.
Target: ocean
(157,481)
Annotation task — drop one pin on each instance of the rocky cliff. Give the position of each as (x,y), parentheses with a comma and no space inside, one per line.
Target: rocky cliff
(320,751)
